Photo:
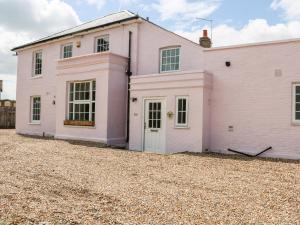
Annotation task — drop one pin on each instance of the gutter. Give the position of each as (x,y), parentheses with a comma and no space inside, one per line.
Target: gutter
(128,73)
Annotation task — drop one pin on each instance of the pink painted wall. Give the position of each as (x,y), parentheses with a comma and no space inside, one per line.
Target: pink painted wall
(147,39)
(45,86)
(168,86)
(102,67)
(28,86)
(251,98)
(152,38)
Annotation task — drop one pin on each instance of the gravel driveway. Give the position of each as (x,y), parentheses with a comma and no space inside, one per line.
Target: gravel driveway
(60,182)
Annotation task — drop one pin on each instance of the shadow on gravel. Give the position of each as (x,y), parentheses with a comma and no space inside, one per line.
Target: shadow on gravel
(207,154)
(239,157)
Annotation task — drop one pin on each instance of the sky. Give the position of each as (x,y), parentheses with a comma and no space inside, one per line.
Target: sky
(234,21)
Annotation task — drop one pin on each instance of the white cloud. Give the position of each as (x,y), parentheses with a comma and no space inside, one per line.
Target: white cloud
(31,19)
(9,86)
(291,8)
(44,16)
(98,3)
(185,9)
(257,30)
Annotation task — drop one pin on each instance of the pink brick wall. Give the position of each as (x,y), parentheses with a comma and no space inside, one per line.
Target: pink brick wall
(251,98)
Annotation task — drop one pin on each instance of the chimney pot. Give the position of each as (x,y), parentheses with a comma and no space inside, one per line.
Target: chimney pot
(205,41)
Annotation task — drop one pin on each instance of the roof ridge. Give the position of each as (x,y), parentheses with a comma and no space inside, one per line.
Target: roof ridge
(90,21)
(126,14)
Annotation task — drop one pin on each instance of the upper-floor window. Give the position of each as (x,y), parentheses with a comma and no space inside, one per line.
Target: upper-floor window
(67,51)
(169,59)
(38,63)
(296,103)
(102,44)
(181,111)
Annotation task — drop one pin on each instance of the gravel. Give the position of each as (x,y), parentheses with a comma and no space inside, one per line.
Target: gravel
(45,181)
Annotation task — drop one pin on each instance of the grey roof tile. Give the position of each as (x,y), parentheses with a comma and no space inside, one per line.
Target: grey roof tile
(101,22)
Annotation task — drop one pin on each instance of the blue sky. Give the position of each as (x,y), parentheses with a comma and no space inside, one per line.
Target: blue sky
(235,12)
(235,21)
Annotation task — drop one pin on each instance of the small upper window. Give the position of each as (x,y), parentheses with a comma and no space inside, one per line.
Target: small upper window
(38,63)
(67,51)
(102,44)
(181,111)
(169,59)
(296,104)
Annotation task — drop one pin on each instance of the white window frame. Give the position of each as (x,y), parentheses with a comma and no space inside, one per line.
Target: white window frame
(295,121)
(32,120)
(161,57)
(96,43)
(186,124)
(62,54)
(34,74)
(79,102)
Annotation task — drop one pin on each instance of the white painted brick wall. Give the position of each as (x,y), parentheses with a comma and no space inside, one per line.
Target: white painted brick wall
(251,98)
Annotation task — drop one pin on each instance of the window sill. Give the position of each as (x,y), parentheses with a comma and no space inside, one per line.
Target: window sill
(296,124)
(34,123)
(77,123)
(36,77)
(182,127)
(169,71)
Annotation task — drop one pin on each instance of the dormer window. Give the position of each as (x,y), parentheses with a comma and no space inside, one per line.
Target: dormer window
(169,59)
(102,43)
(67,51)
(38,63)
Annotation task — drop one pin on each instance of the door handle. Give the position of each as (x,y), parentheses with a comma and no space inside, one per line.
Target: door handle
(154,130)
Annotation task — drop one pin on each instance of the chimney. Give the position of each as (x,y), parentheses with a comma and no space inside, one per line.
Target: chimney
(205,41)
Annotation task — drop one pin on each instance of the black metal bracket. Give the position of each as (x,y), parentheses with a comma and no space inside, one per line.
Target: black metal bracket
(249,155)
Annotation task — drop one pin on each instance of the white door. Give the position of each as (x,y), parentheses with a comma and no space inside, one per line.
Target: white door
(154,126)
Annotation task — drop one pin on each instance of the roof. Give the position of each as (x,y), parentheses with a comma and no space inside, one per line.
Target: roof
(108,20)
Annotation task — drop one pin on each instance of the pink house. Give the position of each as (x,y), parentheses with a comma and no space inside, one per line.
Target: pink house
(123,80)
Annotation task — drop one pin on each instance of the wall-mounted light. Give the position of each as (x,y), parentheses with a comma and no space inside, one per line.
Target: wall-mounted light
(170,114)
(228,63)
(134,99)
(78,44)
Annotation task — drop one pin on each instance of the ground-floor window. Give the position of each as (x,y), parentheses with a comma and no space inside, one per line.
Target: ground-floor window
(181,111)
(35,109)
(296,103)
(81,104)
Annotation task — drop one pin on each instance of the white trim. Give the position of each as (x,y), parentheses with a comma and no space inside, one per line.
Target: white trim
(33,74)
(35,123)
(96,41)
(32,121)
(160,59)
(177,73)
(294,120)
(164,120)
(36,77)
(80,102)
(62,50)
(186,125)
(166,88)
